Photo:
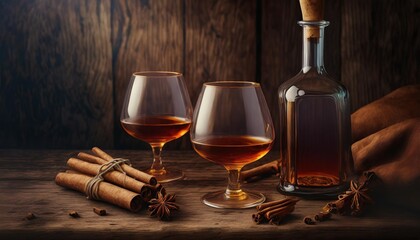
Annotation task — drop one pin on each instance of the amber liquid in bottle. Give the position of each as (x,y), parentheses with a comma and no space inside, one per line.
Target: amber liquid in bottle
(232,151)
(317,149)
(156,129)
(314,126)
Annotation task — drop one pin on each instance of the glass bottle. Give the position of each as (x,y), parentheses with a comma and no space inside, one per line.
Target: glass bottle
(314,125)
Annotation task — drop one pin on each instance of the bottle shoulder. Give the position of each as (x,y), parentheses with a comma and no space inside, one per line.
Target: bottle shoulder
(312,83)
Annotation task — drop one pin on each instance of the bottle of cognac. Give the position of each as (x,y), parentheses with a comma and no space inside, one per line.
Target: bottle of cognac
(314,120)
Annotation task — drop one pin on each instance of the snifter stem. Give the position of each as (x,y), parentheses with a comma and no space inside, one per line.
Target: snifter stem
(157,165)
(233,189)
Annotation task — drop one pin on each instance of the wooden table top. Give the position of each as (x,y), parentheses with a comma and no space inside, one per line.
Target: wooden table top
(27,185)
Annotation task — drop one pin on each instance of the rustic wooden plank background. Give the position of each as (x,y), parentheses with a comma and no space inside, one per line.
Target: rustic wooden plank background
(64,65)
(55,74)
(380,47)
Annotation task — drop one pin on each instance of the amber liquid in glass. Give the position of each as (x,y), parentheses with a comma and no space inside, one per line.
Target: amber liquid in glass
(156,129)
(233,152)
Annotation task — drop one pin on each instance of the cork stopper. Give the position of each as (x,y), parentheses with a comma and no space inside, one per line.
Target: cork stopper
(312,10)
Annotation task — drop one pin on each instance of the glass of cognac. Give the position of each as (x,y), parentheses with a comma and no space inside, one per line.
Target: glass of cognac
(157,109)
(232,127)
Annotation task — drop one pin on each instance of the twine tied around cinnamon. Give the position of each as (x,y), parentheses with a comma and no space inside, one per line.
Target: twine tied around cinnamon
(92,186)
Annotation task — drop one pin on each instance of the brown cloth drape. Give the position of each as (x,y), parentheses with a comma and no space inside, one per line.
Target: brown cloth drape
(386,140)
(397,106)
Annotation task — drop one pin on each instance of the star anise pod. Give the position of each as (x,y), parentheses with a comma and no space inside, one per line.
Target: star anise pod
(162,206)
(354,200)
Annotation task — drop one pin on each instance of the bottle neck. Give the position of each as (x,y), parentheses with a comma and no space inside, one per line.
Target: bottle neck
(313,46)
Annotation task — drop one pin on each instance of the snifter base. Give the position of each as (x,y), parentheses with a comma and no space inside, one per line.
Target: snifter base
(245,199)
(167,175)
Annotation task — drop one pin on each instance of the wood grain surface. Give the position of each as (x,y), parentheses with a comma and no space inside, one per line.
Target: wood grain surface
(380,47)
(65,65)
(220,42)
(27,185)
(56,74)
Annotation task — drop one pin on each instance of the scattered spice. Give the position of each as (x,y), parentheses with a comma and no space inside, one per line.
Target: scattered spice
(308,220)
(274,212)
(30,216)
(322,216)
(162,206)
(99,211)
(354,201)
(74,214)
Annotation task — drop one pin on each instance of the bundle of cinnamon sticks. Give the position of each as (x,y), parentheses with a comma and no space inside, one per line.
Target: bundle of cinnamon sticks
(130,189)
(274,212)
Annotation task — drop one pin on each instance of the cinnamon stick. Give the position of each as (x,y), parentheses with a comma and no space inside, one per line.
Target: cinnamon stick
(277,219)
(258,218)
(322,216)
(100,153)
(308,220)
(282,211)
(278,203)
(74,214)
(106,191)
(114,177)
(132,172)
(272,208)
(274,212)
(90,158)
(99,211)
(265,169)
